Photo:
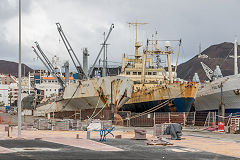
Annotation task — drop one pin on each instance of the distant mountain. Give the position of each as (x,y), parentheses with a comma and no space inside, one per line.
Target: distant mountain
(7,67)
(217,55)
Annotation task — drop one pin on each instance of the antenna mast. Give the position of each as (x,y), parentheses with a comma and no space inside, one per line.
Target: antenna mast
(137,44)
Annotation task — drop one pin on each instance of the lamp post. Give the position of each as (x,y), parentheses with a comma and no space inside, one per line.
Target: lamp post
(19,76)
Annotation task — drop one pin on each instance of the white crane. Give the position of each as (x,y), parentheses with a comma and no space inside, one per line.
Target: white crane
(207,70)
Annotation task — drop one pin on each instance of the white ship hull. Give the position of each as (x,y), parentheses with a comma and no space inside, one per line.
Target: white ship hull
(95,93)
(208,98)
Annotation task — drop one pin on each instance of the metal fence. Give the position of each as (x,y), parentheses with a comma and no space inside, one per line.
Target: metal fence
(104,114)
(148,120)
(6,118)
(130,118)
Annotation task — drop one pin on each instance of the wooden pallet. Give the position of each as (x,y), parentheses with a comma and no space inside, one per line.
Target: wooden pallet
(160,144)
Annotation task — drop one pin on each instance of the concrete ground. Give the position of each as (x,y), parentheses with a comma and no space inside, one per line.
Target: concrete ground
(197,144)
(39,150)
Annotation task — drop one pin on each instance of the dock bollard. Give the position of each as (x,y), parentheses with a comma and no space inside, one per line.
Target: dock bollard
(88,134)
(77,137)
(10,131)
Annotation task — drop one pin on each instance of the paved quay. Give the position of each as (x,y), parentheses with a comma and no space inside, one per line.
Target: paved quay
(46,144)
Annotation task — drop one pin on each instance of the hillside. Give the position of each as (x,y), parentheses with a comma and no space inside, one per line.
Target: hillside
(217,55)
(7,67)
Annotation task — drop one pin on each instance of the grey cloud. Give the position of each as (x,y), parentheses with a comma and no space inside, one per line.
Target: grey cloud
(208,22)
(9,8)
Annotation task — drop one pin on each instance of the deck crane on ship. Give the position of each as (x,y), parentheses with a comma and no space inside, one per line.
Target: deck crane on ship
(48,64)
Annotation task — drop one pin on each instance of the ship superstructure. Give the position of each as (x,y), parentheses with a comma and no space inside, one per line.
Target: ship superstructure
(152,83)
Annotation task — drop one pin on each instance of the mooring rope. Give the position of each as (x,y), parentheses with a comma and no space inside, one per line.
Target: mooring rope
(64,106)
(97,102)
(104,104)
(153,108)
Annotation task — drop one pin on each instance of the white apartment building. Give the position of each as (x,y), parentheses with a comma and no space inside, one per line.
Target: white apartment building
(4,90)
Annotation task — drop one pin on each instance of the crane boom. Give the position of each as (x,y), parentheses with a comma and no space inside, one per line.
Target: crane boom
(104,43)
(207,70)
(72,54)
(47,64)
(44,56)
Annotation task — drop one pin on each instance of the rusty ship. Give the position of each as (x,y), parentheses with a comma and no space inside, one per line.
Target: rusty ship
(154,85)
(95,93)
(86,92)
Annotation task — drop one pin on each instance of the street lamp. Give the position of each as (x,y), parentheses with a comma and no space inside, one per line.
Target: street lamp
(19,76)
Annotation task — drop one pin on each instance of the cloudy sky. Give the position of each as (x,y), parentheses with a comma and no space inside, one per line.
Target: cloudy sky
(84,21)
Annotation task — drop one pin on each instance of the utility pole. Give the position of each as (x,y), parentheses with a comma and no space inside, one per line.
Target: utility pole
(19,77)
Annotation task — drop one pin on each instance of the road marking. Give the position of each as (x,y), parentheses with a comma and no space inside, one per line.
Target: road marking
(178,150)
(190,149)
(6,150)
(34,149)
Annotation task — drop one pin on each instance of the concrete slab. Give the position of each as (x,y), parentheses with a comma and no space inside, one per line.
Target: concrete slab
(210,145)
(83,143)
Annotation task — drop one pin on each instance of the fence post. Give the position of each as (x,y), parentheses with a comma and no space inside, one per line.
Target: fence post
(129,121)
(184,119)
(209,118)
(80,115)
(154,120)
(215,116)
(194,114)
(169,114)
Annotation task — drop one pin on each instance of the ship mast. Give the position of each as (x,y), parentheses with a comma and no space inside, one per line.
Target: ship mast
(137,44)
(156,41)
(235,56)
(167,45)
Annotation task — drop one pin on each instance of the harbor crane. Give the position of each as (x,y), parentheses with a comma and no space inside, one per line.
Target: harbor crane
(48,64)
(207,70)
(103,46)
(71,53)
